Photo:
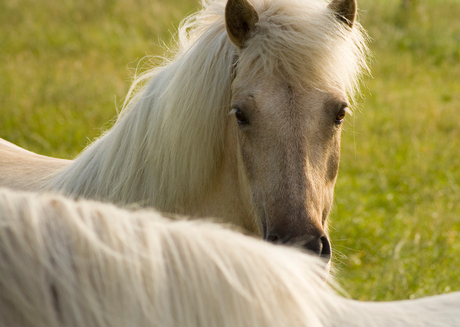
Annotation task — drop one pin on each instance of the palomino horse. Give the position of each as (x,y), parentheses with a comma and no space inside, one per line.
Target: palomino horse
(67,263)
(243,125)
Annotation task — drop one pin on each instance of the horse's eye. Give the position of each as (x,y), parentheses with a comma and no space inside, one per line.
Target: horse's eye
(341,115)
(240,117)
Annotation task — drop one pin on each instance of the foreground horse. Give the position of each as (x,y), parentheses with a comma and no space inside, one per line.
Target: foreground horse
(67,263)
(243,125)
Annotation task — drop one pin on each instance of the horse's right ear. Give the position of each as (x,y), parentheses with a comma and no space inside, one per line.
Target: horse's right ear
(345,10)
(240,19)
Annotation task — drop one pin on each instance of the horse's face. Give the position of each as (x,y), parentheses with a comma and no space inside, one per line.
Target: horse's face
(288,148)
(288,154)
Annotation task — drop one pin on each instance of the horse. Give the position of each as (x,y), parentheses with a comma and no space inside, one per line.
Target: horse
(84,263)
(243,124)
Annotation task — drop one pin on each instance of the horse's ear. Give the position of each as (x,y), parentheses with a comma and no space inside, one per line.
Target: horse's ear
(240,19)
(345,10)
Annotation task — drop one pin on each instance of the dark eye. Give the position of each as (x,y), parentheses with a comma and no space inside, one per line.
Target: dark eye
(240,117)
(341,115)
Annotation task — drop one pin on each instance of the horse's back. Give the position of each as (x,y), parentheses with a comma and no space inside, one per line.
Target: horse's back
(21,169)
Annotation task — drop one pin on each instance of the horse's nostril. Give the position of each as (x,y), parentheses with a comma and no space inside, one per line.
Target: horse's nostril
(273,238)
(326,250)
(315,246)
(320,246)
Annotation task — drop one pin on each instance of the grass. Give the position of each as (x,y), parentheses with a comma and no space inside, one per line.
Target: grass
(67,65)
(396,223)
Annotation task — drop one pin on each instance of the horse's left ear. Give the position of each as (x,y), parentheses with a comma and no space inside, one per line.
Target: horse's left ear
(240,19)
(345,10)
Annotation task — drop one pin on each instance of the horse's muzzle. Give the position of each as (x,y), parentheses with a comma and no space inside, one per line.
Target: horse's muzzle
(316,245)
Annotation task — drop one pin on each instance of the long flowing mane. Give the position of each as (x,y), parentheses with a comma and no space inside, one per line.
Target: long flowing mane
(68,263)
(168,142)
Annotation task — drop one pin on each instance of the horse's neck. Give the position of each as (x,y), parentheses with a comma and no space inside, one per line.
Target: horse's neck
(168,150)
(109,170)
(105,170)
(440,311)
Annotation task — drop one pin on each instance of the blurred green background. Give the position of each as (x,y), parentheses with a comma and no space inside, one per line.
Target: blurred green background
(67,65)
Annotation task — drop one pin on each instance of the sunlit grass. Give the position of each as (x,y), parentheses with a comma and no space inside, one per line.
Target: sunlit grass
(67,65)
(396,223)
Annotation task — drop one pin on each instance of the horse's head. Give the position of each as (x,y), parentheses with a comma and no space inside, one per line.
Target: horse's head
(287,121)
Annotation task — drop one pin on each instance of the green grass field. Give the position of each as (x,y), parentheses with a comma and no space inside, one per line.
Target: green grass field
(67,65)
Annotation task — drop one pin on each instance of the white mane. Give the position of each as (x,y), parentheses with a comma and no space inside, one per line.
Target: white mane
(67,263)
(167,144)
